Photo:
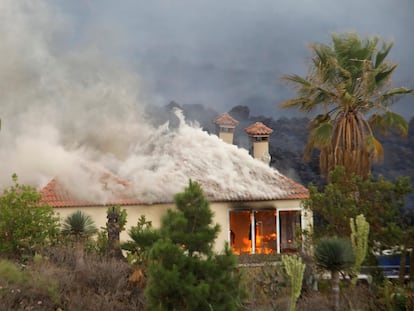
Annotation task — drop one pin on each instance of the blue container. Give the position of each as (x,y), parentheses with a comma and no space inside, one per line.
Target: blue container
(391,260)
(391,264)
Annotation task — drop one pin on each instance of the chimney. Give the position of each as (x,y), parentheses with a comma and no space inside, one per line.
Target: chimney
(225,127)
(259,134)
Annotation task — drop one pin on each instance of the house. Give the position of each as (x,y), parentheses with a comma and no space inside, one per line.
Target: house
(258,209)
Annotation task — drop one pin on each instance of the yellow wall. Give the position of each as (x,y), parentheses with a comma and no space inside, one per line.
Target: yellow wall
(98,213)
(153,213)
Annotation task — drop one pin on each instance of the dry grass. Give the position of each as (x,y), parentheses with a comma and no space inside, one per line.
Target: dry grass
(102,284)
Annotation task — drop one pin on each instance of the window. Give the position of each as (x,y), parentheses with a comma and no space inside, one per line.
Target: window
(290,231)
(262,223)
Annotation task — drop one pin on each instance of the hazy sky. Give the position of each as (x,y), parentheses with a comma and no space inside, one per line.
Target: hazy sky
(233,52)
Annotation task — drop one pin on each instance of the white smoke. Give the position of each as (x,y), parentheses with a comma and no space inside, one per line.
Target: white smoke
(59,106)
(72,112)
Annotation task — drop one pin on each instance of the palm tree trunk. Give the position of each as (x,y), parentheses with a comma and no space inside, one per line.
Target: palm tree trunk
(335,289)
(79,255)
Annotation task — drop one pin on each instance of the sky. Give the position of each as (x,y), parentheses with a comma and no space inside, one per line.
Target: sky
(226,53)
(76,78)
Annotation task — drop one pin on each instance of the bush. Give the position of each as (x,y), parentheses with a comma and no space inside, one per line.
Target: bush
(24,225)
(102,285)
(267,284)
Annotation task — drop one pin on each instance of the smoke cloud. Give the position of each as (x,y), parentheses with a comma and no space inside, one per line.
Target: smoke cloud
(72,112)
(61,107)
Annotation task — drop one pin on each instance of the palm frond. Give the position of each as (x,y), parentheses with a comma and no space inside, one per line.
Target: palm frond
(381,55)
(389,121)
(377,150)
(395,92)
(294,103)
(384,75)
(322,135)
(296,79)
(309,147)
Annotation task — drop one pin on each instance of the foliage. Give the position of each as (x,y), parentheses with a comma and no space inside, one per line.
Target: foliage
(122,215)
(24,224)
(78,225)
(392,296)
(295,269)
(349,81)
(190,226)
(379,200)
(183,272)
(334,255)
(143,237)
(359,240)
(99,245)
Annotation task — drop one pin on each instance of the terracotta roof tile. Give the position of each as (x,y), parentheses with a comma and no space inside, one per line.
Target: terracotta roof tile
(258,129)
(225,119)
(56,194)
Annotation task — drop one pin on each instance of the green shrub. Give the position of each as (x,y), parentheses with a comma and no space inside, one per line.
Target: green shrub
(24,224)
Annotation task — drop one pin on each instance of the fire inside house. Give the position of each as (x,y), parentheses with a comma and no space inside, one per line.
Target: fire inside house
(256,231)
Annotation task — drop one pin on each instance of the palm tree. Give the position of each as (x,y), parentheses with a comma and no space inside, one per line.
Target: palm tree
(334,255)
(349,85)
(79,226)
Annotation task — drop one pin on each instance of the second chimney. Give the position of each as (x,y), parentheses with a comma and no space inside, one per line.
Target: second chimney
(259,134)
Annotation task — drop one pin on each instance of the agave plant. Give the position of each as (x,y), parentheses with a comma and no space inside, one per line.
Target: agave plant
(79,225)
(334,255)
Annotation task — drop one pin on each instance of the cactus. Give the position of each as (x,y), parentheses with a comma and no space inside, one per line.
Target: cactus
(294,268)
(359,240)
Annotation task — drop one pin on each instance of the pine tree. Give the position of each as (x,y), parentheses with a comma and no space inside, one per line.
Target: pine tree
(184,273)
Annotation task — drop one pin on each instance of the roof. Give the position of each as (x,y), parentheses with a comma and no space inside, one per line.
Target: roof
(155,172)
(56,194)
(258,129)
(226,120)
